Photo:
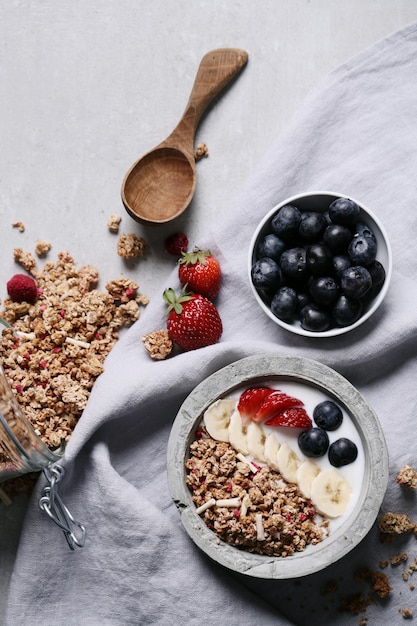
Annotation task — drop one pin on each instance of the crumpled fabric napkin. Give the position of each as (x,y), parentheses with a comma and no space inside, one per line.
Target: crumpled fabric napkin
(356,134)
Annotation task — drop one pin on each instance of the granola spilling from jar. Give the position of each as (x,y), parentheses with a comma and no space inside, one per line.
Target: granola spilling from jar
(55,347)
(249,506)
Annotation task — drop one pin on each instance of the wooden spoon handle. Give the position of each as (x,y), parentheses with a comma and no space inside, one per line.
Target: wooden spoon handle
(216,70)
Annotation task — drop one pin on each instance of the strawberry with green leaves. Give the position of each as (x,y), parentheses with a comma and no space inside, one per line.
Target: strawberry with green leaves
(193,321)
(201,272)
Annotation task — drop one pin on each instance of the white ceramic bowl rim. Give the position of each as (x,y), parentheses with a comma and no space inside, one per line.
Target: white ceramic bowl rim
(332,332)
(252,370)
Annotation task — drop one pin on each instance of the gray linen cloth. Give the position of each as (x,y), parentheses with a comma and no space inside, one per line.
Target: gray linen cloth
(356,134)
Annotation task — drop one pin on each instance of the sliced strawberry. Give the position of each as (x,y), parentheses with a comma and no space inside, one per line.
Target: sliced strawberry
(274,403)
(293,417)
(250,401)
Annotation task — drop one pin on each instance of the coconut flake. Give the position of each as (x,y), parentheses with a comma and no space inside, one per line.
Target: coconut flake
(252,467)
(246,502)
(229,502)
(260,533)
(205,506)
(23,335)
(77,342)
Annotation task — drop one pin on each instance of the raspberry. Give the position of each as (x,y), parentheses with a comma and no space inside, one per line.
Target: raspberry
(176,244)
(22,288)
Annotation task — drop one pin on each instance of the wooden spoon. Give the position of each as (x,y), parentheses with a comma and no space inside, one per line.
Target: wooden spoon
(161,184)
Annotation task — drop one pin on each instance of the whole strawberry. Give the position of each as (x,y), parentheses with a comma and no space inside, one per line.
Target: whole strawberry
(201,272)
(193,321)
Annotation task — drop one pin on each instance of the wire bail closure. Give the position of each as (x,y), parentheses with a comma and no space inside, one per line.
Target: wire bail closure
(51,503)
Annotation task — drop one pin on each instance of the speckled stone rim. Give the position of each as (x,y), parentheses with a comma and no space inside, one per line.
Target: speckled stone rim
(319,201)
(255,369)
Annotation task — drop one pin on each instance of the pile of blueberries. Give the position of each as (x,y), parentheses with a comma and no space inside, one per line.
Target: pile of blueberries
(314,442)
(318,268)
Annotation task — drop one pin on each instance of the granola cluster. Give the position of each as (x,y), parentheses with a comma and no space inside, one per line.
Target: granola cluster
(55,348)
(407,477)
(158,344)
(391,524)
(255,511)
(130,246)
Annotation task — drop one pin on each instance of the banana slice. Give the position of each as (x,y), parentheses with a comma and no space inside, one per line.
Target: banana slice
(256,441)
(288,463)
(306,473)
(271,450)
(330,493)
(217,418)
(237,434)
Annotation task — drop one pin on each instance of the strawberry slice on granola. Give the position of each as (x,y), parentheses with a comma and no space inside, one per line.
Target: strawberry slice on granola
(293,417)
(250,401)
(273,404)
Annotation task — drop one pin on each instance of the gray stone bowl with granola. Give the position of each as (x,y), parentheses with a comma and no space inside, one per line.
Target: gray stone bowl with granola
(248,496)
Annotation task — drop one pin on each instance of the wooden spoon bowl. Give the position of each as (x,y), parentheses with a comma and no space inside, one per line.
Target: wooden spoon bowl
(161,184)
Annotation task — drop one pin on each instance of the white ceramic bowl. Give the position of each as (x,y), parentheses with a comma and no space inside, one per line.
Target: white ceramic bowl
(373,472)
(320,201)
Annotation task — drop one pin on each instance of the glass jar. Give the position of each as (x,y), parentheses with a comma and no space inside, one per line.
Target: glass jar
(21,450)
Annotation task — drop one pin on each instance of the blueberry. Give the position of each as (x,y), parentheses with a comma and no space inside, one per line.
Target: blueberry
(319,259)
(340,263)
(342,452)
(328,415)
(286,221)
(284,303)
(362,250)
(346,311)
(293,263)
(303,298)
(377,272)
(324,290)
(363,230)
(312,226)
(313,318)
(313,442)
(266,274)
(271,246)
(356,281)
(344,211)
(337,237)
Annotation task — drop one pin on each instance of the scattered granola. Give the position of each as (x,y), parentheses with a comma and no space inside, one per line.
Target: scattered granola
(114,222)
(407,477)
(158,344)
(257,512)
(406,613)
(201,151)
(397,559)
(130,246)
(356,603)
(56,347)
(42,248)
(19,225)
(25,259)
(391,524)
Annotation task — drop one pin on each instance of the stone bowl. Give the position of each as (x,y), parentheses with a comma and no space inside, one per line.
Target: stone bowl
(320,201)
(358,520)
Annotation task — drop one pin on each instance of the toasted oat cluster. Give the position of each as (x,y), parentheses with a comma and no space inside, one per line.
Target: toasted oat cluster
(42,248)
(407,477)
(158,344)
(255,511)
(113,222)
(391,524)
(130,246)
(201,151)
(19,225)
(56,347)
